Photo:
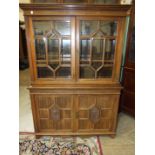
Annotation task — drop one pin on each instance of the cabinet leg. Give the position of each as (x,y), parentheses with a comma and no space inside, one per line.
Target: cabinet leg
(112,136)
(37,136)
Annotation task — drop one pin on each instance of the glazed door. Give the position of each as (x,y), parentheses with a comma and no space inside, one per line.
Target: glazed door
(98,48)
(53,39)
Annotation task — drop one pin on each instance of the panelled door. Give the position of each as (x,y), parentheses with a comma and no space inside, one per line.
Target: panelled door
(96,112)
(54,112)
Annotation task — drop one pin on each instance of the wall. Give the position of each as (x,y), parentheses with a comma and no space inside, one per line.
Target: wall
(21,17)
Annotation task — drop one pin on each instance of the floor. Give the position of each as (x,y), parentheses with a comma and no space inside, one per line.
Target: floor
(122,144)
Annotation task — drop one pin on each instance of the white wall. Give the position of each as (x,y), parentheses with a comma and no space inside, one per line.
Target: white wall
(21,17)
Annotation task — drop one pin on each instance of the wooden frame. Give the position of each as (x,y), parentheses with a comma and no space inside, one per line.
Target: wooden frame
(119,42)
(36,14)
(100,93)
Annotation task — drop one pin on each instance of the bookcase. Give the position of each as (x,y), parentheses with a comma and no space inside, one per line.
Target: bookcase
(75,53)
(127,101)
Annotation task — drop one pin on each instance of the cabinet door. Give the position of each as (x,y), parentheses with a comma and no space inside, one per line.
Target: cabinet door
(98,51)
(96,112)
(54,112)
(53,46)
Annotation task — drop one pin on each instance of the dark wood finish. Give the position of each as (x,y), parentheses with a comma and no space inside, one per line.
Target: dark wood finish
(128,93)
(23,54)
(77,1)
(73,105)
(21,49)
(75,109)
(22,43)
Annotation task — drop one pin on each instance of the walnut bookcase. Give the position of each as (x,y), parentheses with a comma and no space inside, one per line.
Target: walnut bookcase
(75,56)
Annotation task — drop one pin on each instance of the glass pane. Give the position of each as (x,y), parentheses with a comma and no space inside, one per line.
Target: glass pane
(85,50)
(106,1)
(96,65)
(41,62)
(63,27)
(99,28)
(105,72)
(88,27)
(54,64)
(41,27)
(44,72)
(66,51)
(108,27)
(110,49)
(75,1)
(40,49)
(86,72)
(97,49)
(53,49)
(63,72)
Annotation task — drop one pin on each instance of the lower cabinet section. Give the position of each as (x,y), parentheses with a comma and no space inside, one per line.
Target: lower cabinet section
(75,113)
(127,102)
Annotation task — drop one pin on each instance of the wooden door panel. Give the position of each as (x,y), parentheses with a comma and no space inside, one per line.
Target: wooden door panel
(54,112)
(96,112)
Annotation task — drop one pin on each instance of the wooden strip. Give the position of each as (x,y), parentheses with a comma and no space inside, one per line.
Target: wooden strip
(103,52)
(44,6)
(91,48)
(94,13)
(77,53)
(97,60)
(80,132)
(87,65)
(97,38)
(28,38)
(73,49)
(26,133)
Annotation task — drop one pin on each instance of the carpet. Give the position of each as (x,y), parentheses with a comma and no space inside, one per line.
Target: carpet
(48,145)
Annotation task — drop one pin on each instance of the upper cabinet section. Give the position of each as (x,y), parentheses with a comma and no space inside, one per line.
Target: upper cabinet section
(71,44)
